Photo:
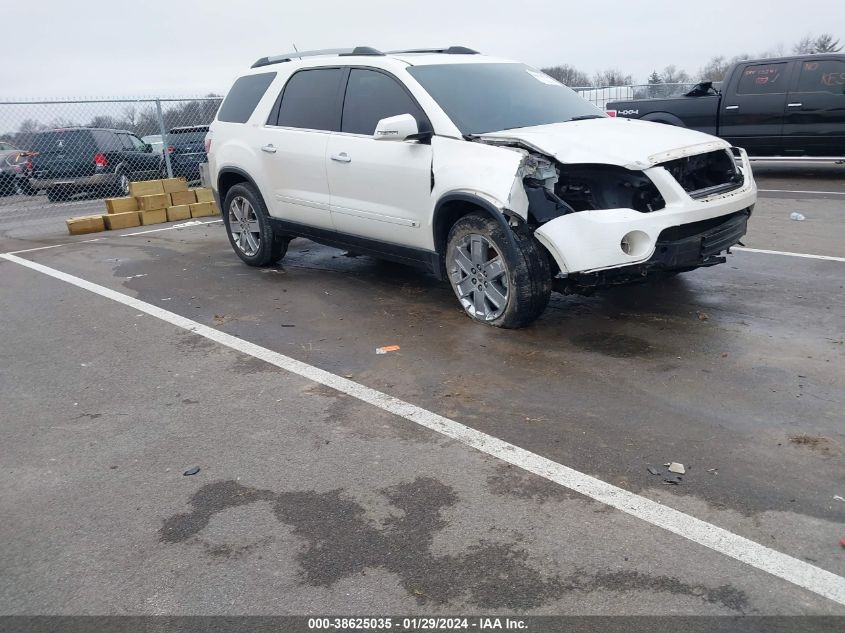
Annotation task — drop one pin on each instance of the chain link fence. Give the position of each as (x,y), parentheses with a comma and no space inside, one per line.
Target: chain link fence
(59,157)
(601,96)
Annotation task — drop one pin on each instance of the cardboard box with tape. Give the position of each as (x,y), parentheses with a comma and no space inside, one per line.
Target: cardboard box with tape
(154,216)
(121,205)
(157,201)
(170,185)
(126,220)
(204,195)
(178,212)
(178,198)
(145,188)
(85,224)
(201,209)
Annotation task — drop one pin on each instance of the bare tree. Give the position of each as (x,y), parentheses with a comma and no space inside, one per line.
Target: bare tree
(717,67)
(612,77)
(805,46)
(826,44)
(568,75)
(674,75)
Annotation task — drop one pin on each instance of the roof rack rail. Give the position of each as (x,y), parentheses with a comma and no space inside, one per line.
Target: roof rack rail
(286,57)
(451,50)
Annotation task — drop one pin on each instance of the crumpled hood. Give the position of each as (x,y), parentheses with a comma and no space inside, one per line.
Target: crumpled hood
(614,141)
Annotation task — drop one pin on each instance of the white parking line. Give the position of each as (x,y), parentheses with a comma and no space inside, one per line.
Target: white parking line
(183,225)
(793,570)
(829,258)
(826,193)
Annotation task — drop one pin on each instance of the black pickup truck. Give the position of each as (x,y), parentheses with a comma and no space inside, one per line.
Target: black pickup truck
(784,106)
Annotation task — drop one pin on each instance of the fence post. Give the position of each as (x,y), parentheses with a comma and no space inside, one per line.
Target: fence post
(165,143)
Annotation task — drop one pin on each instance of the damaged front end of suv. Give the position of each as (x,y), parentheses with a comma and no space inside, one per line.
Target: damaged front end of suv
(609,218)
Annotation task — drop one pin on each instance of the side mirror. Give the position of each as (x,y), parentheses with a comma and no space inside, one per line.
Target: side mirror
(148,148)
(402,127)
(701,89)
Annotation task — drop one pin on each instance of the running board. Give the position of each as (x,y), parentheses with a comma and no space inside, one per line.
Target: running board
(800,159)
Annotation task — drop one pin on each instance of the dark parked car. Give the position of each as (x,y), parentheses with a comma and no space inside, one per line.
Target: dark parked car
(92,160)
(14,173)
(186,146)
(786,106)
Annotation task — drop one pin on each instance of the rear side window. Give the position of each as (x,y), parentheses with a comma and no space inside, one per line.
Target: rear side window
(310,100)
(763,79)
(372,96)
(823,75)
(245,94)
(64,142)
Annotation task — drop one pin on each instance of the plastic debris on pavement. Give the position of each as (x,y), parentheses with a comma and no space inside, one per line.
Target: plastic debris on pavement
(191,471)
(797,216)
(386,349)
(675,467)
(653,470)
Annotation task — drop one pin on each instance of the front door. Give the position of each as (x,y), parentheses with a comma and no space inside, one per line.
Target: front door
(379,189)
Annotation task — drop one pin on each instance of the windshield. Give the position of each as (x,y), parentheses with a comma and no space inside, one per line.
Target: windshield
(482,98)
(184,137)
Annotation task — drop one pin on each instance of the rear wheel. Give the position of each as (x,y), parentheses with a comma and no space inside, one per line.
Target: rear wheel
(248,227)
(57,194)
(500,279)
(120,188)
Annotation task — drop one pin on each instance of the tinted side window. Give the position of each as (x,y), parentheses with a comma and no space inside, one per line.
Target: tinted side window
(310,100)
(244,95)
(125,141)
(372,96)
(107,141)
(763,79)
(138,143)
(823,75)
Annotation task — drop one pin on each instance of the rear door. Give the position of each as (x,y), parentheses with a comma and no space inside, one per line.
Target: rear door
(294,143)
(814,124)
(753,106)
(379,189)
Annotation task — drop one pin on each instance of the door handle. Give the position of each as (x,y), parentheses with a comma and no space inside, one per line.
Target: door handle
(794,105)
(269,148)
(735,107)
(343,157)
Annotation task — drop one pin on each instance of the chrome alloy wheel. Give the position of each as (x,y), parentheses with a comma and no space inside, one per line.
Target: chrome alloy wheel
(479,277)
(243,224)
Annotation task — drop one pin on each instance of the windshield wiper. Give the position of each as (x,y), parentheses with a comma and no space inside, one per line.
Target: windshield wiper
(584,117)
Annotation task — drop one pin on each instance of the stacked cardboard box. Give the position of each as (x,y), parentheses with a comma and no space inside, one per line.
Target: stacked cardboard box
(149,202)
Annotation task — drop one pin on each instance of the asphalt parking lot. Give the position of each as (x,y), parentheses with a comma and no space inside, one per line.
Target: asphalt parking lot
(121,368)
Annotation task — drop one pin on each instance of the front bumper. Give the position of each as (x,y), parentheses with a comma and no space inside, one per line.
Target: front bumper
(84,182)
(589,241)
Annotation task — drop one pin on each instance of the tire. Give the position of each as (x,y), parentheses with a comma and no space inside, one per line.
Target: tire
(511,286)
(120,188)
(258,245)
(56,194)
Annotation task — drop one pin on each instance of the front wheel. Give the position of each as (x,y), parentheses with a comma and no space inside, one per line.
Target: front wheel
(501,277)
(248,227)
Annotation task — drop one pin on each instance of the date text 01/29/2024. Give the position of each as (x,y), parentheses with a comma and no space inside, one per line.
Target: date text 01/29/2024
(409,624)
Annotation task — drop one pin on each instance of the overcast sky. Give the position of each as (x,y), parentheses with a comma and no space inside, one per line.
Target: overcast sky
(188,47)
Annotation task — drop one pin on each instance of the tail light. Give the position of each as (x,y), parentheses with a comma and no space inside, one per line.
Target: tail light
(610,113)
(29,164)
(208,139)
(100,160)
(171,149)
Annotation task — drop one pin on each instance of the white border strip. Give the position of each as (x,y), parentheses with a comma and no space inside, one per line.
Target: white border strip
(825,193)
(828,258)
(793,570)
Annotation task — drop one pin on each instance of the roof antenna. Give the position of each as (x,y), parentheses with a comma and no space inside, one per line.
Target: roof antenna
(295,48)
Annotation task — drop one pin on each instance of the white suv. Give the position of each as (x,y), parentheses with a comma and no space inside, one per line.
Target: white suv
(484,171)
